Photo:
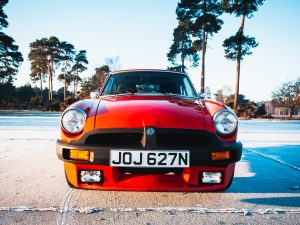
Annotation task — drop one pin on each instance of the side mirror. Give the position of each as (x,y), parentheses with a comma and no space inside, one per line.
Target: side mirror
(94,94)
(201,95)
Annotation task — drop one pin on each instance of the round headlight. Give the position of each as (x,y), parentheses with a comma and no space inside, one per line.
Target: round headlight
(73,121)
(225,122)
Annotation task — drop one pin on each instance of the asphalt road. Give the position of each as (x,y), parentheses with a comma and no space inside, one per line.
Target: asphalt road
(265,190)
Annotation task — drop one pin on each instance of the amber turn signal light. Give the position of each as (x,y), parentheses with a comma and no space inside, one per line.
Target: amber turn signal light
(220,155)
(83,155)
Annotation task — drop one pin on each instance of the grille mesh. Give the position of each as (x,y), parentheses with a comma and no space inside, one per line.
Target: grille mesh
(164,139)
(182,140)
(115,139)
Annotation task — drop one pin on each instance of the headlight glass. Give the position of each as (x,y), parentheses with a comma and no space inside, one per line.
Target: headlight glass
(73,121)
(225,122)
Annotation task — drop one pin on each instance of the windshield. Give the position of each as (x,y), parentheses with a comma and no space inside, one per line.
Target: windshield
(149,83)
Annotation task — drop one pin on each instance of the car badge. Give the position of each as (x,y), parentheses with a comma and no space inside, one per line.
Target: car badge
(150,131)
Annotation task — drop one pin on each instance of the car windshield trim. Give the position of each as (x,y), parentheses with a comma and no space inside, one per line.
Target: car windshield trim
(149,83)
(149,94)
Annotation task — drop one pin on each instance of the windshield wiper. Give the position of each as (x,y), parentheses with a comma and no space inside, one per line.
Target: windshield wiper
(128,92)
(173,94)
(177,95)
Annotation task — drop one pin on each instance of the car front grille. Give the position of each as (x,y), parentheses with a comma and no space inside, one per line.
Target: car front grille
(183,140)
(164,138)
(115,139)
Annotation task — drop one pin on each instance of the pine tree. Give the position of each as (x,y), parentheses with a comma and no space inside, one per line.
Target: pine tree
(79,61)
(182,48)
(46,53)
(38,73)
(10,58)
(67,56)
(239,45)
(204,23)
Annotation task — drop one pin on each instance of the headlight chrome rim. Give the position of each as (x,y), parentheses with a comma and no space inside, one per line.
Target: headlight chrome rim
(215,117)
(84,116)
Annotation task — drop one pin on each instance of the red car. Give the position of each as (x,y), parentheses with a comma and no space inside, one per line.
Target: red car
(148,130)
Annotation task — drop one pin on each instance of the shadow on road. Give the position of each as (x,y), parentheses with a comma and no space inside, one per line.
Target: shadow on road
(277,201)
(258,174)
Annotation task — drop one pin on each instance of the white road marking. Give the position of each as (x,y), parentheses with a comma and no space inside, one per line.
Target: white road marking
(91,210)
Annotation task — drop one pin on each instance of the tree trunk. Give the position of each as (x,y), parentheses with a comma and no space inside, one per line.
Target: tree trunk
(203,64)
(49,86)
(291,112)
(182,58)
(76,82)
(52,74)
(41,86)
(51,83)
(202,85)
(65,86)
(238,64)
(237,83)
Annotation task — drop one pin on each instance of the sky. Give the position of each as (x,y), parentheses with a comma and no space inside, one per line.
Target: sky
(141,33)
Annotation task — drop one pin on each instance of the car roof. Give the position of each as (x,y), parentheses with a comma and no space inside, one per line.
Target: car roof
(146,70)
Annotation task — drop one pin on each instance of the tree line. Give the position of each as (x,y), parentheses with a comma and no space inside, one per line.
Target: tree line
(27,97)
(287,95)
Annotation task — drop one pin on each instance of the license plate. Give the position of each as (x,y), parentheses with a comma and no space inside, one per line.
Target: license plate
(154,158)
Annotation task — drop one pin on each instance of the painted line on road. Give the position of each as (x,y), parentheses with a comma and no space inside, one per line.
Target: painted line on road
(169,210)
(273,158)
